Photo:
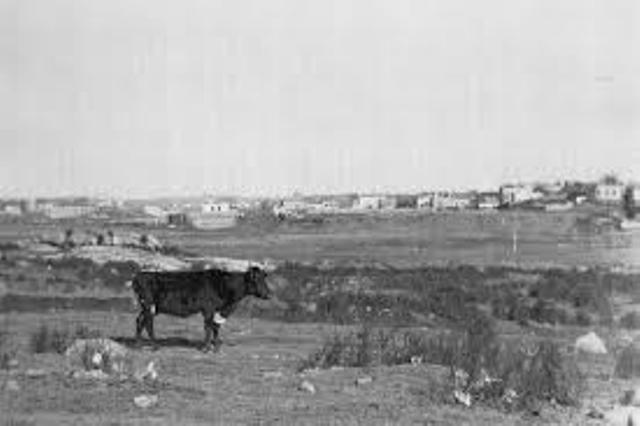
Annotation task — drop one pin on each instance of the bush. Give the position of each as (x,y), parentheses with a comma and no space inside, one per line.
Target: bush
(479,363)
(6,353)
(47,339)
(630,321)
(547,376)
(628,362)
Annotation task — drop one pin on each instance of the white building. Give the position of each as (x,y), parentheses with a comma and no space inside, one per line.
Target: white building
(13,210)
(212,207)
(154,211)
(520,193)
(369,202)
(451,201)
(609,193)
(424,201)
(488,201)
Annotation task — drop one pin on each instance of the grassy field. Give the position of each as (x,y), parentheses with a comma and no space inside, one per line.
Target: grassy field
(254,380)
(406,239)
(360,297)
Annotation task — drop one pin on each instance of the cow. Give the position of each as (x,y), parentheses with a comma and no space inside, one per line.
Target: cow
(214,293)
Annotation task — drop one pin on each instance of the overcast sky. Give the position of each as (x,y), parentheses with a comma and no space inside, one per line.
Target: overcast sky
(167,97)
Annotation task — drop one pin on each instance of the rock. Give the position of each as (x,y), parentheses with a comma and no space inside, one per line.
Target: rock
(103,354)
(310,372)
(631,397)
(623,416)
(272,374)
(148,373)
(462,398)
(145,401)
(307,386)
(590,343)
(12,386)
(89,375)
(510,396)
(365,380)
(595,413)
(13,363)
(96,360)
(33,372)
(417,360)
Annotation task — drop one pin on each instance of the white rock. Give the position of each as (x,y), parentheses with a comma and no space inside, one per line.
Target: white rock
(145,401)
(416,360)
(623,416)
(590,343)
(272,374)
(365,380)
(149,372)
(90,375)
(12,386)
(96,359)
(307,386)
(462,397)
(33,372)
(632,397)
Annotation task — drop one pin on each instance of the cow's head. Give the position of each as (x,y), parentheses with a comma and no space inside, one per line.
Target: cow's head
(256,280)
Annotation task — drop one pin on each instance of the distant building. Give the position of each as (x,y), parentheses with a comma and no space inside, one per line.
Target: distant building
(12,209)
(609,192)
(424,201)
(369,202)
(66,211)
(325,206)
(389,202)
(488,200)
(516,194)
(212,207)
(291,208)
(154,211)
(635,195)
(445,200)
(28,206)
(177,219)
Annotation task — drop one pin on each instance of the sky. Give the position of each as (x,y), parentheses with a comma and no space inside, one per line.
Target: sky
(251,97)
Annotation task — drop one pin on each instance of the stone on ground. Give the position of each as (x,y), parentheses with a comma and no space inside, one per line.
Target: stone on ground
(590,343)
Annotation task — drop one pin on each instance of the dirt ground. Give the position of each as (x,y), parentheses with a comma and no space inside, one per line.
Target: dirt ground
(254,379)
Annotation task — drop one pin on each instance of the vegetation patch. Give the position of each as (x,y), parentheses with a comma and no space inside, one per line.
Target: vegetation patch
(48,339)
(506,375)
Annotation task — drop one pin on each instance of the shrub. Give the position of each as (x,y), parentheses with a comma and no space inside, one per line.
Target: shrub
(479,363)
(47,339)
(6,353)
(630,320)
(628,362)
(548,376)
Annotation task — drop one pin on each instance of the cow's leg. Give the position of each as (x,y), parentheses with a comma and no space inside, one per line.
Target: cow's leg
(211,330)
(140,325)
(149,324)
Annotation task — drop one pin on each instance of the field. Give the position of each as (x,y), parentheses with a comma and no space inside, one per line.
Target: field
(372,312)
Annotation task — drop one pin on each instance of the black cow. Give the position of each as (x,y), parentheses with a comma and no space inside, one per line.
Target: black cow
(213,292)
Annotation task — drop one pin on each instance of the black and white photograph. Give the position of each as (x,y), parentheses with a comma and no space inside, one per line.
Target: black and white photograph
(320,212)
